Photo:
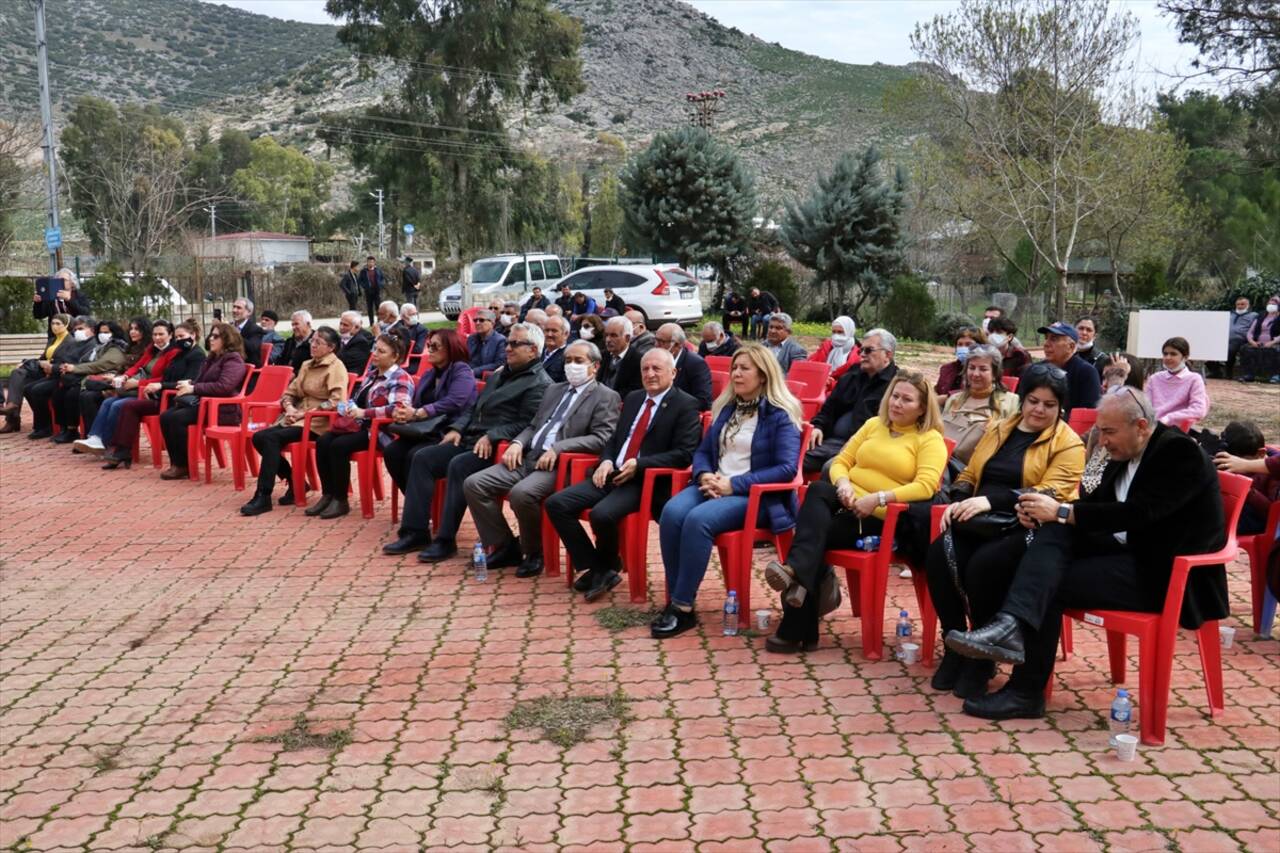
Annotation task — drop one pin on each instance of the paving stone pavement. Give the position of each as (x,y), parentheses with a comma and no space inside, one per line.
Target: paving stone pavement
(156,649)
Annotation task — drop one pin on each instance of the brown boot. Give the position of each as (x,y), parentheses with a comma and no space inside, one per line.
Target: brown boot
(11,424)
(175,473)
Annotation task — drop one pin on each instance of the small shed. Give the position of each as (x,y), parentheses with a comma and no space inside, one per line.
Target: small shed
(257,248)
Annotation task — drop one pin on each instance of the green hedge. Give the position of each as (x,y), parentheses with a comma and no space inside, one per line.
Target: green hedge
(15,306)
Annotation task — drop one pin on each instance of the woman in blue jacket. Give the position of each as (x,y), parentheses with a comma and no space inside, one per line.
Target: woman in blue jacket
(754,438)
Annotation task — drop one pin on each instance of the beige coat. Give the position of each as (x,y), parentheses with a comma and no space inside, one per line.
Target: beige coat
(321,383)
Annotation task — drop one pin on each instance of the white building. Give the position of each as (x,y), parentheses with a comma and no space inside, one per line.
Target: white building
(257,248)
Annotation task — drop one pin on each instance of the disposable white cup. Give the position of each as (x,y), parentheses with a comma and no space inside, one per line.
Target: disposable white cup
(1126,747)
(762,619)
(1227,634)
(910,652)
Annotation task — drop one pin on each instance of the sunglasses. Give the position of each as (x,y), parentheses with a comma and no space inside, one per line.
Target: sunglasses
(514,344)
(434,347)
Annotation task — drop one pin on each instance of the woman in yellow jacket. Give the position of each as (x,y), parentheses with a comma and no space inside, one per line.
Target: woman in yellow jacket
(971,565)
(896,456)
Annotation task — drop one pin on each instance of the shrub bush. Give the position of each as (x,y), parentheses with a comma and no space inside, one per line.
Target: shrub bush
(947,325)
(909,310)
(15,306)
(777,278)
(113,297)
(1257,288)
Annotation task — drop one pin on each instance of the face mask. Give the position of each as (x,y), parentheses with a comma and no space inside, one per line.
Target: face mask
(1272,308)
(104,337)
(962,354)
(986,321)
(1084,347)
(506,319)
(840,340)
(184,344)
(412,321)
(81,335)
(997,340)
(575,373)
(586,333)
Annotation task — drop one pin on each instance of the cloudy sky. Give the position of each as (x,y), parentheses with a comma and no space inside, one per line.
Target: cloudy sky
(861,31)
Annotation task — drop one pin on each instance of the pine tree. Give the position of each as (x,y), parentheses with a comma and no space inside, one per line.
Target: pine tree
(849,230)
(688,194)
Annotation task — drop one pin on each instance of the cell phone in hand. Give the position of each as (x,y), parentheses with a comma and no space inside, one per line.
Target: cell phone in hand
(217,315)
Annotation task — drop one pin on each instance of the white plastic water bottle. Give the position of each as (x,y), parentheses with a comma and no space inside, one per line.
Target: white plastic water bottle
(480,561)
(902,632)
(1121,715)
(731,614)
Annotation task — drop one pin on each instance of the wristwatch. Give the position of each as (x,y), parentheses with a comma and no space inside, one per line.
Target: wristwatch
(882,498)
(1064,512)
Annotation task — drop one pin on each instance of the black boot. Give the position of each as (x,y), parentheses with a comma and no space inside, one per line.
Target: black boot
(260,503)
(1006,703)
(948,671)
(999,640)
(318,507)
(287,498)
(975,675)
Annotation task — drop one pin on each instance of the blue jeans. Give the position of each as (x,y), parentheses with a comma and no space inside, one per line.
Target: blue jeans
(687,532)
(104,423)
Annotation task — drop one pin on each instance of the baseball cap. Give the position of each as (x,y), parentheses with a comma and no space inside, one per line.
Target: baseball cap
(1060,328)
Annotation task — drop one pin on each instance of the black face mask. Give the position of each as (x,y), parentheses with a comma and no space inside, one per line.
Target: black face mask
(183,344)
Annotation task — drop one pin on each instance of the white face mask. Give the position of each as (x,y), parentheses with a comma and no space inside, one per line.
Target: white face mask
(997,340)
(586,333)
(575,373)
(1082,347)
(81,335)
(506,319)
(412,321)
(840,340)
(104,337)
(986,321)
(1272,307)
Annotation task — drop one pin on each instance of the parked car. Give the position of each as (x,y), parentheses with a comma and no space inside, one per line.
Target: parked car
(661,293)
(503,276)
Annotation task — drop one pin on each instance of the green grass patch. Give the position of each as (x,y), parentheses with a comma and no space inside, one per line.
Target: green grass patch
(615,619)
(300,736)
(566,720)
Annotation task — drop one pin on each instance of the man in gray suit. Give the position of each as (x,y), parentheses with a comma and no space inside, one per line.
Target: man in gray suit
(576,416)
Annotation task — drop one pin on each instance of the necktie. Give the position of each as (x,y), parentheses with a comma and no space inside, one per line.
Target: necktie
(554,421)
(633,446)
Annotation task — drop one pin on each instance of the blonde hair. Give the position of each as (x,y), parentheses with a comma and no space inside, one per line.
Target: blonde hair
(932,417)
(775,384)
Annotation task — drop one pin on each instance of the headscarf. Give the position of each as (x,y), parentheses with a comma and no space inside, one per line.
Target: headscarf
(840,354)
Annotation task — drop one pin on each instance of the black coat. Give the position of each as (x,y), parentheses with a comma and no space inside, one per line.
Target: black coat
(856,394)
(347,284)
(765,303)
(409,279)
(354,354)
(1174,507)
(295,352)
(1083,388)
(623,374)
(530,303)
(675,430)
(252,334)
(506,406)
(694,378)
(616,303)
(729,347)
(186,366)
(554,366)
(78,304)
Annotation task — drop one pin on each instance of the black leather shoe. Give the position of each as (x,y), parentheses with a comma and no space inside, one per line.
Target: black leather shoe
(1006,704)
(407,543)
(779,646)
(530,568)
(999,640)
(948,671)
(336,509)
(507,556)
(671,622)
(440,549)
(287,498)
(318,507)
(66,437)
(975,675)
(585,581)
(602,584)
(258,505)
(37,434)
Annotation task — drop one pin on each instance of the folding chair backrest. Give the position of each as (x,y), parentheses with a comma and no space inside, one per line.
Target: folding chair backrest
(271,382)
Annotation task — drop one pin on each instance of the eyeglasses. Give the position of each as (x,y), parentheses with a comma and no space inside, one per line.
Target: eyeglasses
(213,335)
(514,344)
(434,347)
(872,350)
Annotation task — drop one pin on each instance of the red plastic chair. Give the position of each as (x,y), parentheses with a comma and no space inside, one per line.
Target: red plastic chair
(1258,546)
(156,437)
(719,381)
(551,539)
(265,397)
(1010,382)
(1082,420)
(1157,633)
(467,321)
(721,363)
(264,353)
(302,456)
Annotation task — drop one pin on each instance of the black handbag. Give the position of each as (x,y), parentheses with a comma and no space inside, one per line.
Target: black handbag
(988,525)
(417,431)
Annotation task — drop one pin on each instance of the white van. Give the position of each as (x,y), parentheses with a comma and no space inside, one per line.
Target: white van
(503,276)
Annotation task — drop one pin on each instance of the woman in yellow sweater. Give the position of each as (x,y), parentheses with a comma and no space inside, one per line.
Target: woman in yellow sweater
(971,565)
(896,456)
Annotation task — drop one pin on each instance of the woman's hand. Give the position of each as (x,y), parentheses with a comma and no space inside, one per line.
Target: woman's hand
(864,506)
(715,486)
(402,413)
(184,387)
(355,412)
(845,493)
(153,390)
(967,509)
(1240,465)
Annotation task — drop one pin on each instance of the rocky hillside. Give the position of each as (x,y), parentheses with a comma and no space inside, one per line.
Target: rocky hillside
(788,113)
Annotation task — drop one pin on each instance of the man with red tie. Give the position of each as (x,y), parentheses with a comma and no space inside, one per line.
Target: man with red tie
(660,427)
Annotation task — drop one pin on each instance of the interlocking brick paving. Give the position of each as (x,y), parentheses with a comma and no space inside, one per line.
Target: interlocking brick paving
(157,650)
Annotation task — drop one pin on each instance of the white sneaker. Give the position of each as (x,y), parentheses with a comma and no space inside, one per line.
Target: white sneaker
(93,442)
(905,573)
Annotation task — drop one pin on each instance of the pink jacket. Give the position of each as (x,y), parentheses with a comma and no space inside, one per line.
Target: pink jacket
(1178,396)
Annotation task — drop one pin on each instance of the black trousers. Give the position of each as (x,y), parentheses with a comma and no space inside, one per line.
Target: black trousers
(608,506)
(89,402)
(453,462)
(352,300)
(986,568)
(820,454)
(39,394)
(371,305)
(728,322)
(66,405)
(173,426)
(270,444)
(823,524)
(398,456)
(333,459)
(1065,569)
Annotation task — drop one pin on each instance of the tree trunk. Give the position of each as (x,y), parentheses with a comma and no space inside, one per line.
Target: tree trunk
(1060,300)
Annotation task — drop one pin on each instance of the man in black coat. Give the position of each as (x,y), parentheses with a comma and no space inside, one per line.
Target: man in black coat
(717,340)
(242,318)
(855,398)
(371,281)
(660,427)
(1111,550)
(565,300)
(556,334)
(349,286)
(410,281)
(692,374)
(357,343)
(761,305)
(535,300)
(298,348)
(622,373)
(1083,388)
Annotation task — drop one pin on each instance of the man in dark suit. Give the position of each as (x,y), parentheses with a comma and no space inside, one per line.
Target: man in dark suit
(298,348)
(349,286)
(622,373)
(576,416)
(692,374)
(251,332)
(855,398)
(1113,550)
(357,343)
(660,427)
(556,331)
(410,281)
(371,281)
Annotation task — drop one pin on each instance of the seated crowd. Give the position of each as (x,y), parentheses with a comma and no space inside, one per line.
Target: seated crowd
(1037,518)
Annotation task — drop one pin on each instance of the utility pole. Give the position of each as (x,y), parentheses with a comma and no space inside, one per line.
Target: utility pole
(105,225)
(212,210)
(703,108)
(46,118)
(382,225)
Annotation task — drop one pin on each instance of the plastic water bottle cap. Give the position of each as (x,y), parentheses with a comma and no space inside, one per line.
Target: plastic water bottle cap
(1122,692)
(902,613)
(733,593)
